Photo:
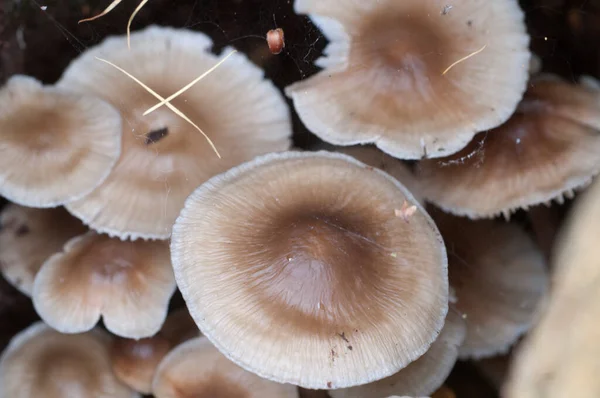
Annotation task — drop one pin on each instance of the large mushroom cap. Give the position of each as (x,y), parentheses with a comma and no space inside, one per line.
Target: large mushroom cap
(56,147)
(384,79)
(297,268)
(499,276)
(128,284)
(197,369)
(165,158)
(548,148)
(422,376)
(40,362)
(28,237)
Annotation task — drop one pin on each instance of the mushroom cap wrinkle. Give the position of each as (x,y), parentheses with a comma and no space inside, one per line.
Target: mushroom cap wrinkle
(165,158)
(197,369)
(423,376)
(295,266)
(56,146)
(546,150)
(397,74)
(128,284)
(28,236)
(41,362)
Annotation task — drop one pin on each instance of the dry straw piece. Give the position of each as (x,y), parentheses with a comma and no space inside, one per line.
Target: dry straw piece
(547,149)
(55,146)
(164,157)
(499,276)
(128,284)
(559,358)
(296,268)
(28,237)
(41,362)
(423,376)
(134,362)
(197,369)
(411,79)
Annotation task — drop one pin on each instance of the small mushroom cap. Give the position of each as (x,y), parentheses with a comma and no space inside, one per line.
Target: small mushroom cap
(135,362)
(306,275)
(197,369)
(547,149)
(499,276)
(423,376)
(128,284)
(28,237)
(559,357)
(40,362)
(165,158)
(384,80)
(48,137)
(373,157)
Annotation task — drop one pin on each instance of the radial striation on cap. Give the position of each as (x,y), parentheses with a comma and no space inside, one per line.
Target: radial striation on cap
(56,146)
(41,362)
(28,236)
(296,267)
(164,157)
(197,369)
(499,276)
(423,376)
(128,284)
(547,149)
(413,79)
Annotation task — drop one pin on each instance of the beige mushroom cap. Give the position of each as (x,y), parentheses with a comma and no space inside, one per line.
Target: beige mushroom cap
(128,284)
(499,276)
(165,158)
(546,150)
(384,80)
(40,362)
(28,237)
(295,266)
(423,376)
(196,368)
(56,147)
(135,362)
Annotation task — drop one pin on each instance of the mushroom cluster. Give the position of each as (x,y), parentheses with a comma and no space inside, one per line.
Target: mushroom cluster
(343,270)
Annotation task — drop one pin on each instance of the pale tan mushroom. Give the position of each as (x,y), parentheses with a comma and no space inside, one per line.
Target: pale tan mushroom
(28,237)
(164,157)
(40,362)
(128,284)
(135,362)
(197,369)
(545,151)
(56,146)
(499,276)
(304,273)
(423,376)
(411,78)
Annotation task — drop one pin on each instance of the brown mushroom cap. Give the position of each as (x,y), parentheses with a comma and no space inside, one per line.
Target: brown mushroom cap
(164,158)
(128,284)
(297,269)
(499,275)
(547,149)
(28,237)
(423,376)
(40,362)
(135,362)
(196,368)
(56,146)
(384,79)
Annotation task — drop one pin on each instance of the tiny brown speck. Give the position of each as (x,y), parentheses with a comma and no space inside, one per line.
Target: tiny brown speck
(343,336)
(22,230)
(328,384)
(350,347)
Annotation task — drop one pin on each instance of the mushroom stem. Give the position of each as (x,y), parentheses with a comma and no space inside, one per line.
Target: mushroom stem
(169,105)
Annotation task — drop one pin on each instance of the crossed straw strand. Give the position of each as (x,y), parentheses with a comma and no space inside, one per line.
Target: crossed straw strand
(168,104)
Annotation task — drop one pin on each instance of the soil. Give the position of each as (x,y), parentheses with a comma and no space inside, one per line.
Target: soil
(40,38)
